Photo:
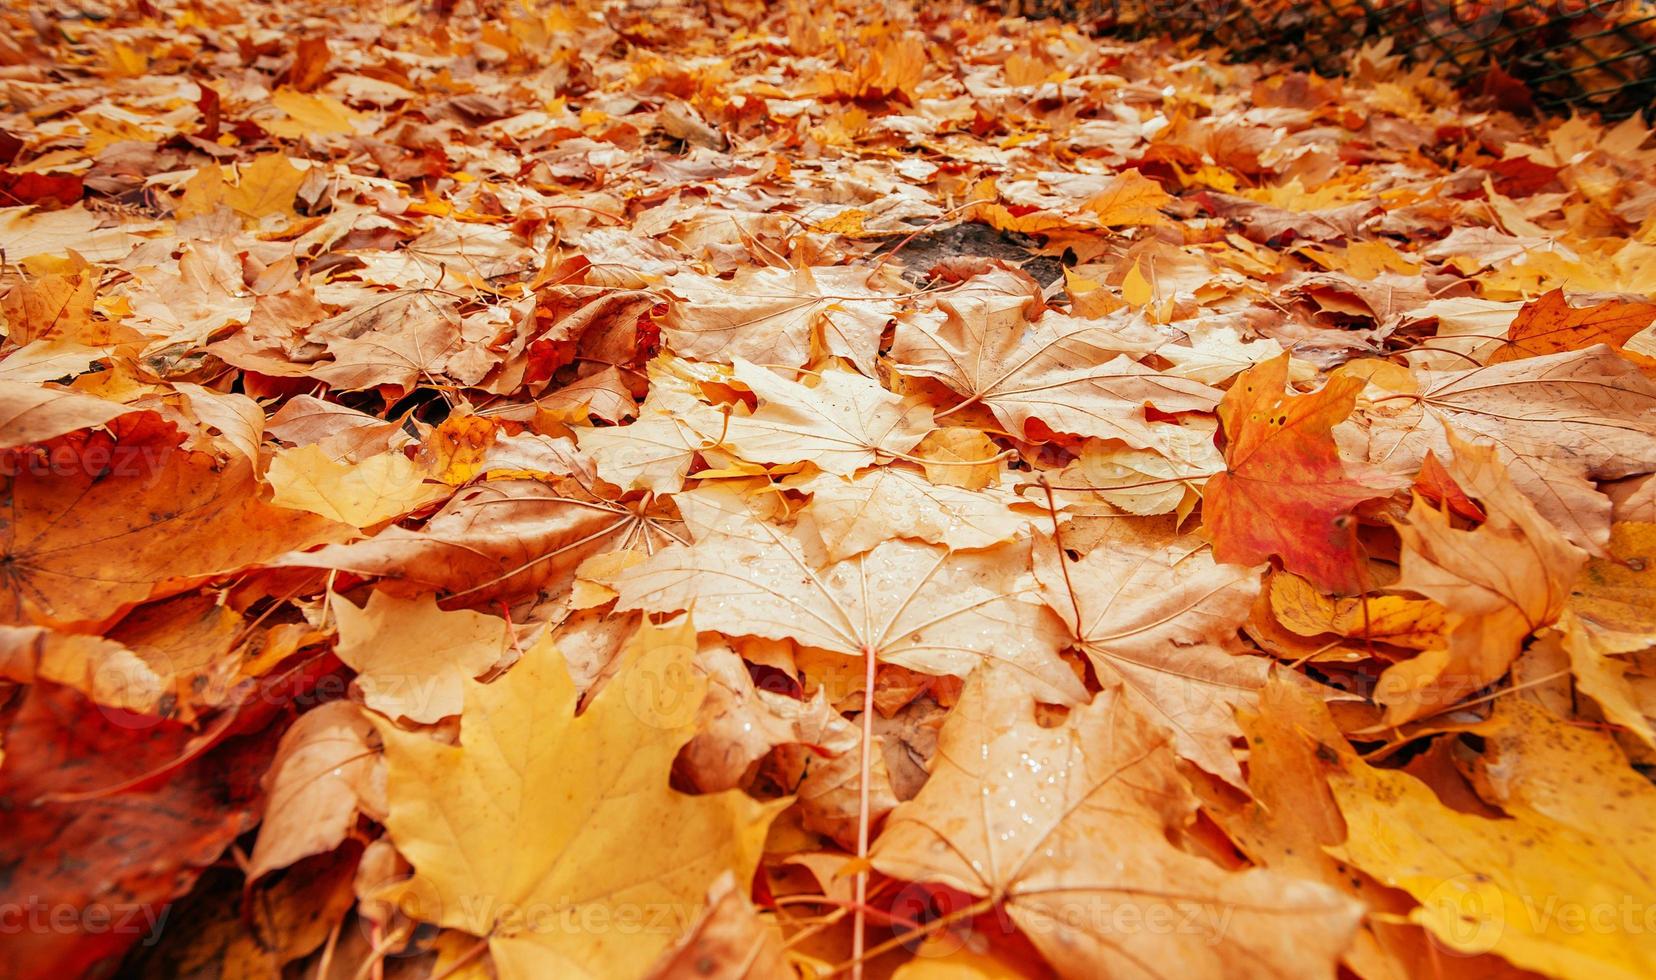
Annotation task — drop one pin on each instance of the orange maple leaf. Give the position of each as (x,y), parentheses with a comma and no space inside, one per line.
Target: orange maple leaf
(1285,491)
(1549,325)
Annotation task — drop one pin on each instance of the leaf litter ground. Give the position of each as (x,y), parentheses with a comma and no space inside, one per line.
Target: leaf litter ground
(757,490)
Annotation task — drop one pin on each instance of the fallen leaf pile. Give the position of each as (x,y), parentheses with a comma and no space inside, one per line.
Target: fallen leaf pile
(763,490)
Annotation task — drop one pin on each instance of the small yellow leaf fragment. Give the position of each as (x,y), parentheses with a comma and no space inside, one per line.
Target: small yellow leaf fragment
(950,456)
(1088,297)
(125,62)
(360,494)
(595,578)
(1135,289)
(847,222)
(412,658)
(1417,624)
(454,452)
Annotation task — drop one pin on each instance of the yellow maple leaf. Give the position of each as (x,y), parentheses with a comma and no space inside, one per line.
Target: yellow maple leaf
(848,222)
(264,187)
(1129,199)
(1547,888)
(311,115)
(202,193)
(541,822)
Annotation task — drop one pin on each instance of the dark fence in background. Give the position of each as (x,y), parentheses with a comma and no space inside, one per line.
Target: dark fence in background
(1570,53)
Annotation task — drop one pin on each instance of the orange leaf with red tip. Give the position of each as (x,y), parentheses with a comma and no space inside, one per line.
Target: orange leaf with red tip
(1285,491)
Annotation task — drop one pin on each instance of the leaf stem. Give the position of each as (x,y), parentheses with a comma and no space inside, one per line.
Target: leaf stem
(1008,454)
(1063,559)
(862,814)
(968,403)
(970,911)
(1438,350)
(472,952)
(1126,486)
